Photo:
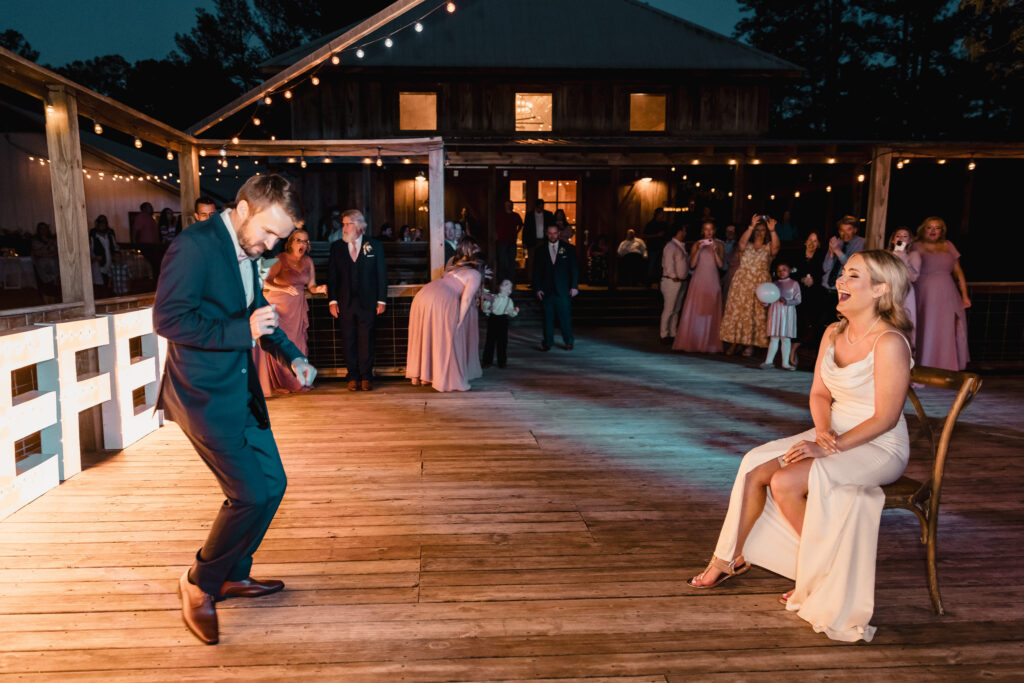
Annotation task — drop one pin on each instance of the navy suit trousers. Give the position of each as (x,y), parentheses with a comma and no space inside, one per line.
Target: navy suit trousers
(560,306)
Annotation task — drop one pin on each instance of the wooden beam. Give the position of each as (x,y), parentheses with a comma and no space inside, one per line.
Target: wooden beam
(878,198)
(415,149)
(68,188)
(311,60)
(436,205)
(188,174)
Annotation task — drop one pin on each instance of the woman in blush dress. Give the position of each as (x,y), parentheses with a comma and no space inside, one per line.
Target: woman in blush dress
(901,245)
(941,322)
(285,287)
(444,332)
(808,506)
(745,321)
(701,319)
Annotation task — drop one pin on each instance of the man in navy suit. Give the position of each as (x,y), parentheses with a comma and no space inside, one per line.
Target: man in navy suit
(556,278)
(210,308)
(357,287)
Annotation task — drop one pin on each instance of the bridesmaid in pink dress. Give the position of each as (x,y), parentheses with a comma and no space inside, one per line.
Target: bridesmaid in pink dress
(941,323)
(285,286)
(444,337)
(701,319)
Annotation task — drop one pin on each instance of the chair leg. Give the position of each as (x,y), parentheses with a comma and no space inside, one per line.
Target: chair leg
(933,576)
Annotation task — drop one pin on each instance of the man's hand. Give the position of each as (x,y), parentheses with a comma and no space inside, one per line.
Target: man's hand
(263,321)
(573,292)
(380,308)
(304,371)
(333,306)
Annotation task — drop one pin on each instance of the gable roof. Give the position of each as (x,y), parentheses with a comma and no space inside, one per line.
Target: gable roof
(551,34)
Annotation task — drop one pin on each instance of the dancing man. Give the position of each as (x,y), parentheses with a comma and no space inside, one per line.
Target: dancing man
(210,308)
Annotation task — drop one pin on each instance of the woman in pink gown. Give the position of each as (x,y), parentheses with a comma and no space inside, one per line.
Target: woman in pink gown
(701,319)
(286,286)
(941,323)
(444,334)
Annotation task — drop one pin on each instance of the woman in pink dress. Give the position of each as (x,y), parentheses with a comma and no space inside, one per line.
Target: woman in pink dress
(444,334)
(941,325)
(286,286)
(701,319)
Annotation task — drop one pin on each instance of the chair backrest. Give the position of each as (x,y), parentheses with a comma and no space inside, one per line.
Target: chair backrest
(966,384)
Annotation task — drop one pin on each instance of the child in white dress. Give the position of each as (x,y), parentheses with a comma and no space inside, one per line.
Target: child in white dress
(782,317)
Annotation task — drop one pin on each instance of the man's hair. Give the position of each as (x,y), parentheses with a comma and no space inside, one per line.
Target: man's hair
(143,205)
(262,191)
(539,202)
(204,200)
(356,215)
(847,220)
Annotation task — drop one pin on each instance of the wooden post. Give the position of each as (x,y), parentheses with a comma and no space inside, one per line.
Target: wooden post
(188,173)
(878,198)
(68,189)
(740,214)
(436,205)
(492,198)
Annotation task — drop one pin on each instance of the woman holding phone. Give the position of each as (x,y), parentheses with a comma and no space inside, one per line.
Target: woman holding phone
(701,319)
(900,244)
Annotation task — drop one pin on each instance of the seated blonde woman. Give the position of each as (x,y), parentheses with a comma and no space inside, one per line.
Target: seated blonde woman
(808,506)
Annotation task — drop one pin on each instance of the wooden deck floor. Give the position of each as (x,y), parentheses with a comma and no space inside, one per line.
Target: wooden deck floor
(541,526)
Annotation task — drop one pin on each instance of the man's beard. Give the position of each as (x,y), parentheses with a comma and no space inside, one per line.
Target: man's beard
(350,237)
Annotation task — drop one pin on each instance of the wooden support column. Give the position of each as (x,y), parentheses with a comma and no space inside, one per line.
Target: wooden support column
(492,198)
(188,173)
(878,198)
(68,188)
(436,204)
(740,213)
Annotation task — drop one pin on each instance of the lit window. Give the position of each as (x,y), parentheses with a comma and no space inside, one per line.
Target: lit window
(533,111)
(559,194)
(417,111)
(646,112)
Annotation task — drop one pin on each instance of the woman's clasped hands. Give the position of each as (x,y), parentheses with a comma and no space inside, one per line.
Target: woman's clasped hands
(823,445)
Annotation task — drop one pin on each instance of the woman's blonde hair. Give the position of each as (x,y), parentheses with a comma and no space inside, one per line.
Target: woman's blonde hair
(921,229)
(885,268)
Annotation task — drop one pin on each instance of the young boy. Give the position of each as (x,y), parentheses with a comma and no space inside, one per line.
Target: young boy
(498,309)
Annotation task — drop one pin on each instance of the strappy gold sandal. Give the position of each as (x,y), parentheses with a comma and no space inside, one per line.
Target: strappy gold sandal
(784,598)
(728,569)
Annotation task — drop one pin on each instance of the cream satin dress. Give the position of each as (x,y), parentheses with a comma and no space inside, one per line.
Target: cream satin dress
(833,563)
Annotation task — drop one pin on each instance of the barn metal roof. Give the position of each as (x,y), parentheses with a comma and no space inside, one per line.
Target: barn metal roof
(550,34)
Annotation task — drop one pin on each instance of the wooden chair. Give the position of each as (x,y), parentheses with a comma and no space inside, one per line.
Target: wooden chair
(922,498)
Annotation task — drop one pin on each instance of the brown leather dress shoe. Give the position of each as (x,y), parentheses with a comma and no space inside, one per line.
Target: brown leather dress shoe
(367,386)
(353,385)
(249,588)
(198,611)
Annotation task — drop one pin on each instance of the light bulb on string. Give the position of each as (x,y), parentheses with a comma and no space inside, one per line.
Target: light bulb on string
(794,161)
(287,94)
(388,42)
(256,121)
(971,165)
(315,80)
(450,8)
(335,60)
(202,152)
(940,162)
(830,160)
(138,143)
(234,140)
(828,188)
(899,164)
(360,53)
(223,152)
(860,178)
(267,100)
(418,27)
(303,163)
(380,162)
(97,128)
(170,155)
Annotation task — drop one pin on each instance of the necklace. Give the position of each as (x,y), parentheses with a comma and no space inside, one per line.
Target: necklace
(851,342)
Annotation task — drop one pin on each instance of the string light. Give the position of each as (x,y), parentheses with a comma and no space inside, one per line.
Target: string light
(302,162)
(287,94)
(388,42)
(97,128)
(380,162)
(695,162)
(755,162)
(794,161)
(450,7)
(418,27)
(360,53)
(830,160)
(170,154)
(673,169)
(971,165)
(899,164)
(256,121)
(406,161)
(138,143)
(267,100)
(749,197)
(941,162)
(771,197)
(234,140)
(860,178)
(335,60)
(828,188)
(732,162)
(223,152)
(315,80)
(202,152)
(797,194)
(367,160)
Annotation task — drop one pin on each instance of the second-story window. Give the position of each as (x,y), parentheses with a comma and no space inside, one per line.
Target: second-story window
(417,111)
(646,112)
(533,111)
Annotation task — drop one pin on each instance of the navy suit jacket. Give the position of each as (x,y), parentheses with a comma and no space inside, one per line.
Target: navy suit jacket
(209,381)
(558,277)
(370,276)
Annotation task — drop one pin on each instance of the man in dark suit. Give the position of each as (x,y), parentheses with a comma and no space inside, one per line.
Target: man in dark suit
(357,286)
(556,278)
(535,225)
(210,308)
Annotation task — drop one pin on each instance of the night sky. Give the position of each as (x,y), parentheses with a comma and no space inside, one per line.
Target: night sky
(66,30)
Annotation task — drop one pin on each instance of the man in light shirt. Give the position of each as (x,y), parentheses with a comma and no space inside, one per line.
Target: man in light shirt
(632,259)
(675,270)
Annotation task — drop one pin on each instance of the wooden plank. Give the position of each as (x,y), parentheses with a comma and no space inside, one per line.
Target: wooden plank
(68,187)
(188,174)
(878,198)
(435,201)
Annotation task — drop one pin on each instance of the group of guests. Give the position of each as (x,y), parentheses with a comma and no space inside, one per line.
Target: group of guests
(695,288)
